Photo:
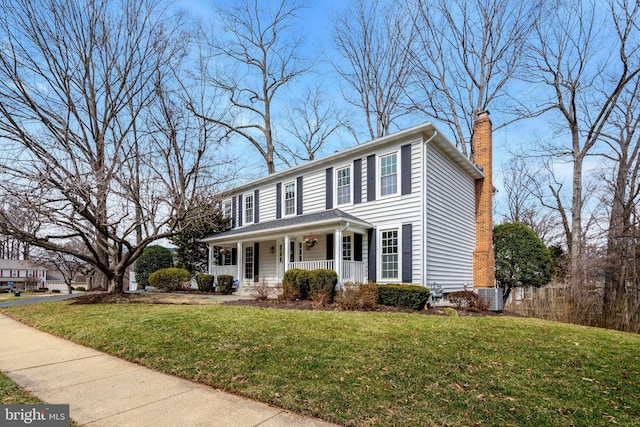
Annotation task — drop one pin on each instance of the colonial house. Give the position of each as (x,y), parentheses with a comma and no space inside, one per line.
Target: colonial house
(404,208)
(22,274)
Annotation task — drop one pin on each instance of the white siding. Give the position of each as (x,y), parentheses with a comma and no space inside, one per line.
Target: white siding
(450,223)
(313,189)
(267,203)
(267,268)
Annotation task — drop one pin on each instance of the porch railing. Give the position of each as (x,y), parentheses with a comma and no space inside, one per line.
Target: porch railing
(231,270)
(352,271)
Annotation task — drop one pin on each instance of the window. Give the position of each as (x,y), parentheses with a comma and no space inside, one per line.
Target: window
(226,209)
(346,248)
(14,273)
(389,251)
(389,174)
(30,273)
(290,198)
(343,186)
(248,262)
(248,208)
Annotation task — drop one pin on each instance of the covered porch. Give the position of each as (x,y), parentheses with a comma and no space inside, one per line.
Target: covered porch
(263,252)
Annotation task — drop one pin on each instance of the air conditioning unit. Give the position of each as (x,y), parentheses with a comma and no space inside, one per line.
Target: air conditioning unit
(492,296)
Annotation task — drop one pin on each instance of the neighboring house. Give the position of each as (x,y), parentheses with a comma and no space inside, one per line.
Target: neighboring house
(22,274)
(404,208)
(56,281)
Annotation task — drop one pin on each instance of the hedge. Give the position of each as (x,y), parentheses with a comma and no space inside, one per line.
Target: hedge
(300,284)
(169,279)
(405,296)
(324,281)
(205,282)
(225,284)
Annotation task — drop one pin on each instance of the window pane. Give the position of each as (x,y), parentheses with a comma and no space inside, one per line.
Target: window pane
(290,199)
(389,254)
(248,263)
(248,208)
(346,248)
(344,186)
(389,175)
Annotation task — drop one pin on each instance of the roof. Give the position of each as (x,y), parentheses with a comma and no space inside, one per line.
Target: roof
(427,131)
(320,219)
(19,264)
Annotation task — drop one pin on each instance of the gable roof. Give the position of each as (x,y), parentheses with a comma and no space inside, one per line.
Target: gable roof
(427,131)
(19,264)
(317,219)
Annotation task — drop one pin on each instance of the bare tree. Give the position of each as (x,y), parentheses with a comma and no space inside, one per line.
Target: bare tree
(258,54)
(374,39)
(311,122)
(621,302)
(80,81)
(585,68)
(466,56)
(68,265)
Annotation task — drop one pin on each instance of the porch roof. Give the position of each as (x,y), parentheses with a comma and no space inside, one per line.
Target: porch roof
(317,221)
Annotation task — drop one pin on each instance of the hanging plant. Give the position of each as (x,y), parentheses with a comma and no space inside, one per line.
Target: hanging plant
(226,251)
(310,241)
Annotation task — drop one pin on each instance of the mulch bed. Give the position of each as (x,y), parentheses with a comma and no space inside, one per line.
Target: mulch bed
(130,298)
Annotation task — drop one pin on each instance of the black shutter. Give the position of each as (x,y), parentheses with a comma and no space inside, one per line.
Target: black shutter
(406,254)
(329,188)
(299,196)
(330,246)
(357,181)
(278,200)
(371,261)
(256,206)
(241,213)
(357,247)
(256,261)
(371,178)
(234,212)
(234,257)
(405,169)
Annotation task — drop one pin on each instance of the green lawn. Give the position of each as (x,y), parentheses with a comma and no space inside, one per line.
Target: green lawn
(374,368)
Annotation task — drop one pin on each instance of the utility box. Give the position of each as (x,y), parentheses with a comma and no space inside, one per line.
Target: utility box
(491,296)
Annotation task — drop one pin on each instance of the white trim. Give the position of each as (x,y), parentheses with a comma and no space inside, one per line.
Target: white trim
(398,229)
(379,158)
(245,198)
(335,194)
(284,198)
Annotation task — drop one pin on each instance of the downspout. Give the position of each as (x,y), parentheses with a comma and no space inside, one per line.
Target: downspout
(423,192)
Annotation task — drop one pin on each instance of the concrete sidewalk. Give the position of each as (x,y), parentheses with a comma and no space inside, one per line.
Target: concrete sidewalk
(103,390)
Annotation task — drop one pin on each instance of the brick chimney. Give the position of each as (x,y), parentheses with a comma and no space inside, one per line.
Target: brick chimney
(483,257)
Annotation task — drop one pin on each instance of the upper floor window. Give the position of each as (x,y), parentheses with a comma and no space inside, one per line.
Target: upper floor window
(343,186)
(248,208)
(14,273)
(389,251)
(389,174)
(226,209)
(290,198)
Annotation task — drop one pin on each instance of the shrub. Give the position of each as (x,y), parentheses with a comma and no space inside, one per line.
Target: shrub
(79,288)
(153,258)
(405,296)
(357,296)
(169,279)
(225,284)
(55,291)
(295,284)
(205,282)
(262,291)
(466,299)
(323,281)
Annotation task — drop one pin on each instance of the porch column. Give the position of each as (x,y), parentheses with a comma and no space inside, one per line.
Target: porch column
(337,254)
(239,261)
(287,249)
(210,263)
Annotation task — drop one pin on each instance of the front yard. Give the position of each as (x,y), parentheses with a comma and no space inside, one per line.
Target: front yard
(358,368)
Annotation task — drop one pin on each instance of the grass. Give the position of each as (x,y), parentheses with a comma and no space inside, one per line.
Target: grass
(374,368)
